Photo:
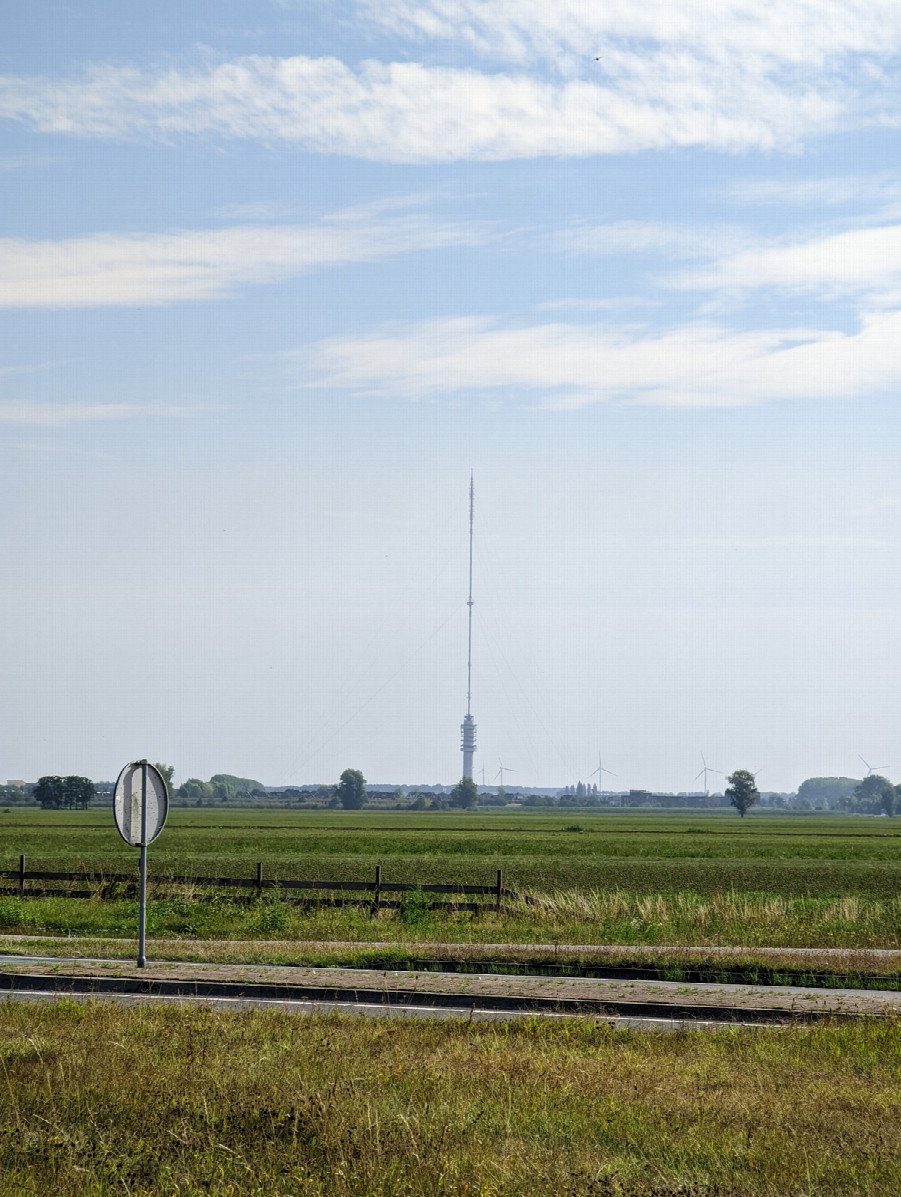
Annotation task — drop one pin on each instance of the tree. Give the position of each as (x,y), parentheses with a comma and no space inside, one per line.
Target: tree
(226,786)
(352,789)
(465,794)
(876,794)
(50,792)
(78,792)
(196,791)
(832,792)
(166,772)
(742,790)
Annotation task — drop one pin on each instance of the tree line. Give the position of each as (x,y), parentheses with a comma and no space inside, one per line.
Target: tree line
(871,795)
(64,793)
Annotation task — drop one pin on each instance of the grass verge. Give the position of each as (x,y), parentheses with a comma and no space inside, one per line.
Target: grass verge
(567,916)
(101,1099)
(747,966)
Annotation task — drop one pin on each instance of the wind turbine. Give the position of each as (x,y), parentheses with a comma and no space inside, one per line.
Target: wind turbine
(502,770)
(600,770)
(873,768)
(707,769)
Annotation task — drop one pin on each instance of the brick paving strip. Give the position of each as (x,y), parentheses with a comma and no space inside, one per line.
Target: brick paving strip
(839,958)
(565,995)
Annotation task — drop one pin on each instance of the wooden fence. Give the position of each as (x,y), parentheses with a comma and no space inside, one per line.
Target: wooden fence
(373,889)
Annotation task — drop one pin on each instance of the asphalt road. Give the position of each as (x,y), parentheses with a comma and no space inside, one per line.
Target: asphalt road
(408,993)
(367,1009)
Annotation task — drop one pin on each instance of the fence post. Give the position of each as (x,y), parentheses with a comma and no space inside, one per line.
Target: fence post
(21,875)
(259,879)
(377,893)
(500,889)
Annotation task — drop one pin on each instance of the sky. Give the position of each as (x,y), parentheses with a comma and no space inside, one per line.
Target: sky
(276,277)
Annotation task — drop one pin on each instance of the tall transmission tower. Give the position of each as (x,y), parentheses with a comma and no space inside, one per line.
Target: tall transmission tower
(468,727)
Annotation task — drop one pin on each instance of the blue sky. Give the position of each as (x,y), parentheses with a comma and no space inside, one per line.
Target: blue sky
(275,276)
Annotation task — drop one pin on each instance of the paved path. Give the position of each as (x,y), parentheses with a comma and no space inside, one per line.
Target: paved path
(470,992)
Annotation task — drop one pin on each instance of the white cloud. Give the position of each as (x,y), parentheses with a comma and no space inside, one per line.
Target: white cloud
(649,237)
(596,305)
(858,260)
(260,211)
(47,415)
(159,268)
(825,192)
(736,75)
(408,112)
(794,32)
(573,365)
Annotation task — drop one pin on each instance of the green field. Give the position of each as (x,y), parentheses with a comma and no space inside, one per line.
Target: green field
(102,1099)
(614,878)
(707,854)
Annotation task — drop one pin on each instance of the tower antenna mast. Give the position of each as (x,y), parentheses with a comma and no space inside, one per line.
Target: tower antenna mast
(469,603)
(468,728)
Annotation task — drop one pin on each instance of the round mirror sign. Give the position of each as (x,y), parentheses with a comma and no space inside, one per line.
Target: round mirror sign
(141,803)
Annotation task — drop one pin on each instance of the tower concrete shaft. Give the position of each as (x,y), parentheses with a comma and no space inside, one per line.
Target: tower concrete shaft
(468,743)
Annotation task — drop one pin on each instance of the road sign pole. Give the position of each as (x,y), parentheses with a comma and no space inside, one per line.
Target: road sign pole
(142,959)
(142,903)
(140,806)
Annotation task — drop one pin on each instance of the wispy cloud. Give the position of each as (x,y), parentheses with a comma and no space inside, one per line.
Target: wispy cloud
(862,261)
(752,75)
(859,261)
(825,192)
(260,211)
(49,415)
(741,33)
(809,541)
(28,161)
(31,368)
(410,112)
(572,365)
(617,303)
(672,241)
(160,268)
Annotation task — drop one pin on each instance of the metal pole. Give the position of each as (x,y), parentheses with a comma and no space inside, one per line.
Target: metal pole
(142,905)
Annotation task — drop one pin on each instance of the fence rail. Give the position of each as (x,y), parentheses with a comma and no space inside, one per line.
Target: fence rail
(375,888)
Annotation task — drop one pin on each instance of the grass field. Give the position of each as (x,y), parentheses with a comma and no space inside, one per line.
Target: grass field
(101,1100)
(616,878)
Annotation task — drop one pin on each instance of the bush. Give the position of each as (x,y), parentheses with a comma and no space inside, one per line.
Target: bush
(272,915)
(11,912)
(415,909)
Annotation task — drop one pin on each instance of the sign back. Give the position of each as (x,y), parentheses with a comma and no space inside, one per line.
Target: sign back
(128,800)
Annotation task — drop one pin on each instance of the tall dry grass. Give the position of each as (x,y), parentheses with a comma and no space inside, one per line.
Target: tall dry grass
(100,1099)
(573,915)
(728,917)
